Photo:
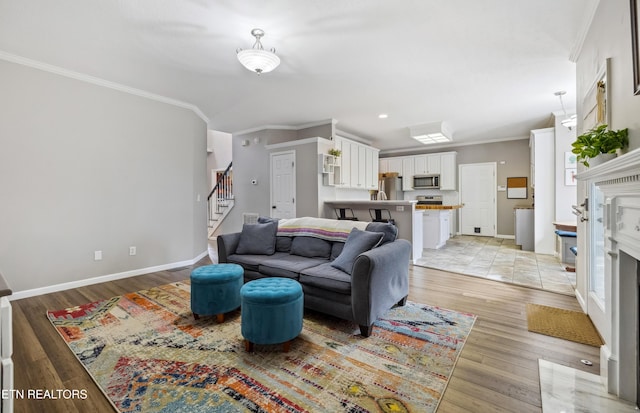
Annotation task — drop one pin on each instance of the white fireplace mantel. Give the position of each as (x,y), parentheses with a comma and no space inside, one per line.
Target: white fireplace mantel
(619,181)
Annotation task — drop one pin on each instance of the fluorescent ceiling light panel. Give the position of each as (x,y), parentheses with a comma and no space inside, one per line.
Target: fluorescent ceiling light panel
(431,138)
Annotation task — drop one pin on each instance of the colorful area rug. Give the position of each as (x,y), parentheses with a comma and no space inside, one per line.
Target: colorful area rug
(147,354)
(561,323)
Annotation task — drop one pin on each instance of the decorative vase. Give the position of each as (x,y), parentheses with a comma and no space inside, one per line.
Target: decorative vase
(601,158)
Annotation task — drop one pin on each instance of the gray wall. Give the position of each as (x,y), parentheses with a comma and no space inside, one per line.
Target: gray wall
(514,153)
(252,162)
(609,36)
(85,168)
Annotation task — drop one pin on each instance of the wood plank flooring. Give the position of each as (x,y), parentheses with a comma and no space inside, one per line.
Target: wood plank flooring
(497,370)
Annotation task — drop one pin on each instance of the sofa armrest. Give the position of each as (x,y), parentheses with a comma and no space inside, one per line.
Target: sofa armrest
(379,280)
(227,245)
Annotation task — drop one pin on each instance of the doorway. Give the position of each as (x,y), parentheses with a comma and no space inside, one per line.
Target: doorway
(283,184)
(477,183)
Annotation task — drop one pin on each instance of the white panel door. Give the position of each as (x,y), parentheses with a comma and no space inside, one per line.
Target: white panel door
(478,197)
(283,185)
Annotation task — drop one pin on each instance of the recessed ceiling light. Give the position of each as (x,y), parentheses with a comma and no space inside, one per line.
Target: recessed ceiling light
(383,116)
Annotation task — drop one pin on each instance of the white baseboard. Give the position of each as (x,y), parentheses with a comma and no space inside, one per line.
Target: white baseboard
(103,278)
(505,236)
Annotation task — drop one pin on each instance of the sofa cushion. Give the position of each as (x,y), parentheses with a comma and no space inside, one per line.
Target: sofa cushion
(357,243)
(258,239)
(310,247)
(283,244)
(290,266)
(252,262)
(389,230)
(326,277)
(336,249)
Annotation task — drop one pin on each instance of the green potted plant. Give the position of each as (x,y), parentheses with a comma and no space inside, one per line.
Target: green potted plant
(599,140)
(335,152)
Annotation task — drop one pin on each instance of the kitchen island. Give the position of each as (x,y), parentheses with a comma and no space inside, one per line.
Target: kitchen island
(404,213)
(408,216)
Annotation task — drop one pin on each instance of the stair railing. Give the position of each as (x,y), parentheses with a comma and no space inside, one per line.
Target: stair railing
(220,195)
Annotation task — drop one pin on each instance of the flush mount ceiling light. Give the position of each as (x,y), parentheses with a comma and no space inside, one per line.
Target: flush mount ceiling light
(569,121)
(257,59)
(429,133)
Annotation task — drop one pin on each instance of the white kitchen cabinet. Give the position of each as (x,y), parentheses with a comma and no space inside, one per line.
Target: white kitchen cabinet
(383,165)
(371,168)
(357,166)
(426,164)
(435,228)
(345,159)
(407,173)
(395,165)
(448,169)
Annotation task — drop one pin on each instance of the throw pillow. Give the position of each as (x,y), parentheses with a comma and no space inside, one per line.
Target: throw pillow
(389,230)
(310,247)
(357,243)
(258,239)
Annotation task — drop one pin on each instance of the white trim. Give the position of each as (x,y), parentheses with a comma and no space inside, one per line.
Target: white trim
(613,168)
(505,236)
(285,127)
(351,136)
(103,278)
(297,142)
(99,82)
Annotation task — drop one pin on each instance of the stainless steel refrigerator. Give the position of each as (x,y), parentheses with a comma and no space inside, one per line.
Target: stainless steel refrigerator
(392,187)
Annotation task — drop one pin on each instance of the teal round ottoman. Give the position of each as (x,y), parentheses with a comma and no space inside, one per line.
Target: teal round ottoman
(272,310)
(215,289)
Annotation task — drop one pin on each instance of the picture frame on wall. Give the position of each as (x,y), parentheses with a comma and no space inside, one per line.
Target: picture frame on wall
(635,28)
(570,177)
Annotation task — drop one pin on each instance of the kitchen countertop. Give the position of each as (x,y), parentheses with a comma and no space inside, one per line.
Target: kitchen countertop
(438,206)
(369,203)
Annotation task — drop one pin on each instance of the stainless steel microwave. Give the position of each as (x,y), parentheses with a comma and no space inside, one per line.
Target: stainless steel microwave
(426,181)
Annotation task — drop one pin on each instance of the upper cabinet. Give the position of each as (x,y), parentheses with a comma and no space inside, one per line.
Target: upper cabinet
(448,169)
(426,164)
(443,164)
(357,166)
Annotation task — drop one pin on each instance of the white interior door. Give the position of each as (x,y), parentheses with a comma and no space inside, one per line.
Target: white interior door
(283,185)
(478,196)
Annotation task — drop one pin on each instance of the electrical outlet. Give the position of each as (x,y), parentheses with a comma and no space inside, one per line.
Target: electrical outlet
(399,208)
(132,250)
(97,255)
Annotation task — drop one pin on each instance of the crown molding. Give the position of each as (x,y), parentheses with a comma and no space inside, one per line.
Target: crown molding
(286,127)
(46,67)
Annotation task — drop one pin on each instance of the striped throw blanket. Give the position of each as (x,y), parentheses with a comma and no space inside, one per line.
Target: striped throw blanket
(328,229)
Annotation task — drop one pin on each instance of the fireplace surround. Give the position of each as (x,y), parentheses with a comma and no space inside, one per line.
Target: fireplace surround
(619,182)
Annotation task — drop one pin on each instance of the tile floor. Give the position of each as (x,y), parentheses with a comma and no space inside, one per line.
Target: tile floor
(567,390)
(501,260)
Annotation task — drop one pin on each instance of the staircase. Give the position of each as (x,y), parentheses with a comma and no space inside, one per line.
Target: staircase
(220,200)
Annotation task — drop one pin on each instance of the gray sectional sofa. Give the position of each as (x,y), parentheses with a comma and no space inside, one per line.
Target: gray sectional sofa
(352,270)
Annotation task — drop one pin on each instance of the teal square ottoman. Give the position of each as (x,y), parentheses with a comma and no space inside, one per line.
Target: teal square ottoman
(272,310)
(215,289)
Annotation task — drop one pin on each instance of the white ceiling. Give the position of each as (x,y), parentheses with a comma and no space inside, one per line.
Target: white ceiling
(486,69)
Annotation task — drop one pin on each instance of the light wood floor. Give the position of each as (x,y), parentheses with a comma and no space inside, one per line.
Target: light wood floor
(497,370)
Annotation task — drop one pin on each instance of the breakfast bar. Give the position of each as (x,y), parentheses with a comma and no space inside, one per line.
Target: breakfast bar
(408,215)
